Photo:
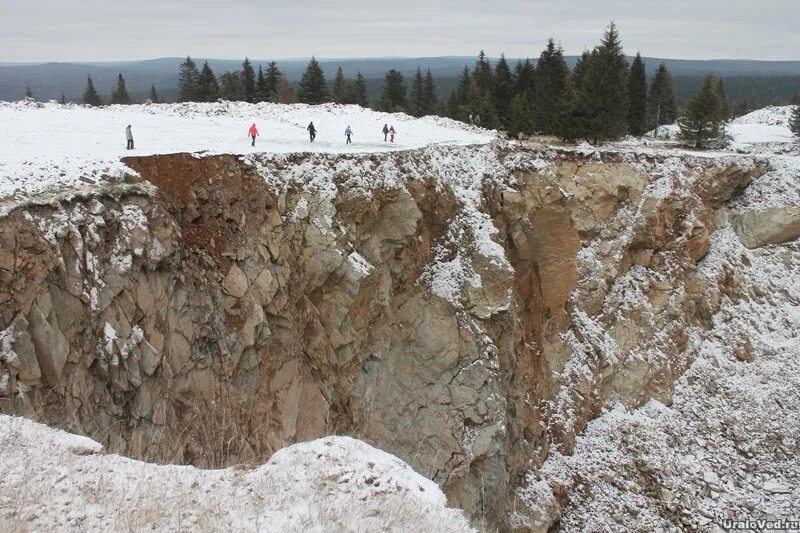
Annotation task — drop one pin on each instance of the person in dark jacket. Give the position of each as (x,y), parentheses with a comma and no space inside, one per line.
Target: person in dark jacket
(312,131)
(385,132)
(129,137)
(348,133)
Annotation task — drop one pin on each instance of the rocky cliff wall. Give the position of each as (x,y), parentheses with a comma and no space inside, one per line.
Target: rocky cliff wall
(468,309)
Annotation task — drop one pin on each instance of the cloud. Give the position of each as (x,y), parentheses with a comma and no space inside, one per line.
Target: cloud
(50,30)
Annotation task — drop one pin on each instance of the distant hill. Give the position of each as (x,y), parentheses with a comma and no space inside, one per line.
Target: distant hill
(49,80)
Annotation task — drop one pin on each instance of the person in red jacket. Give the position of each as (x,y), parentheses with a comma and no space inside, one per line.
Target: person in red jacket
(253,133)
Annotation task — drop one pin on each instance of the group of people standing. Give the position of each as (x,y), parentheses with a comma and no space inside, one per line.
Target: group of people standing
(388,133)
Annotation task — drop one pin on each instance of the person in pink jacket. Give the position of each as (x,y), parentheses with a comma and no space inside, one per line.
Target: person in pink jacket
(253,133)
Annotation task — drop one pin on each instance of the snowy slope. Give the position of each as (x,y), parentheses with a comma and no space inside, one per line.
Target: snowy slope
(56,481)
(46,146)
(728,447)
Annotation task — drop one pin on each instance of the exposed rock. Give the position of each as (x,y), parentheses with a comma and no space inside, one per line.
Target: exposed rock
(770,226)
(235,283)
(575,289)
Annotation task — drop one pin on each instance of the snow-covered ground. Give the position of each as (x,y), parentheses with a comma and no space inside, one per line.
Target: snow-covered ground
(769,125)
(55,481)
(47,146)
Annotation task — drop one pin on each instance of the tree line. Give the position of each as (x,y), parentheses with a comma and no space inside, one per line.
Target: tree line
(602,98)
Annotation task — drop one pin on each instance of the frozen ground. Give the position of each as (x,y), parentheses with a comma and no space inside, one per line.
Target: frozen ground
(50,146)
(56,481)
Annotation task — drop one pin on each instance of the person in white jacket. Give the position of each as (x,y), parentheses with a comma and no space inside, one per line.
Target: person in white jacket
(129,137)
(348,133)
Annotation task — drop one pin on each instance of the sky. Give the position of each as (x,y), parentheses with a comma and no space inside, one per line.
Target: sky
(70,30)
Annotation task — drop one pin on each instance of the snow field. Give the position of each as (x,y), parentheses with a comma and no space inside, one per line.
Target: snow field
(56,481)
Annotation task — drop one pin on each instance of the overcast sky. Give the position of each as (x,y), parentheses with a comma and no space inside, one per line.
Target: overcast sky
(71,30)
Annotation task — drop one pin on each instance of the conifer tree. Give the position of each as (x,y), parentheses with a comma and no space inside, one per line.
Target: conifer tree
(794,122)
(459,98)
(524,78)
(725,110)
(248,81)
(568,123)
(231,87)
(429,98)
(637,93)
(416,104)
(28,92)
(602,95)
(187,81)
(357,91)
(119,95)
(63,99)
(262,89)
(661,105)
(503,90)
(394,92)
(700,125)
(519,118)
(273,78)
(313,87)
(154,95)
(339,87)
(482,76)
(481,99)
(207,85)
(550,73)
(90,96)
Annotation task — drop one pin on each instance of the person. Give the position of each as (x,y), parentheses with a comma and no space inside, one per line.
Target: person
(392,133)
(312,131)
(348,132)
(129,137)
(253,133)
(385,132)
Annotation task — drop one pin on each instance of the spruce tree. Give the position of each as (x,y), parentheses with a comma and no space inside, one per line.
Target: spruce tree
(481,91)
(28,92)
(524,78)
(602,95)
(63,99)
(637,93)
(357,91)
(661,105)
(262,89)
(231,87)
(248,81)
(519,118)
(394,92)
(187,81)
(313,87)
(503,90)
(207,85)
(339,87)
(154,95)
(700,126)
(459,98)
(90,96)
(430,101)
(725,110)
(794,122)
(416,104)
(119,95)
(273,78)
(550,73)
(568,123)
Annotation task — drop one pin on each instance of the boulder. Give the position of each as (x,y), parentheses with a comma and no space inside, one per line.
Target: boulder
(770,226)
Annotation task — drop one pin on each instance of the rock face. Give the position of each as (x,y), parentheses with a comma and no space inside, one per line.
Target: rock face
(466,309)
